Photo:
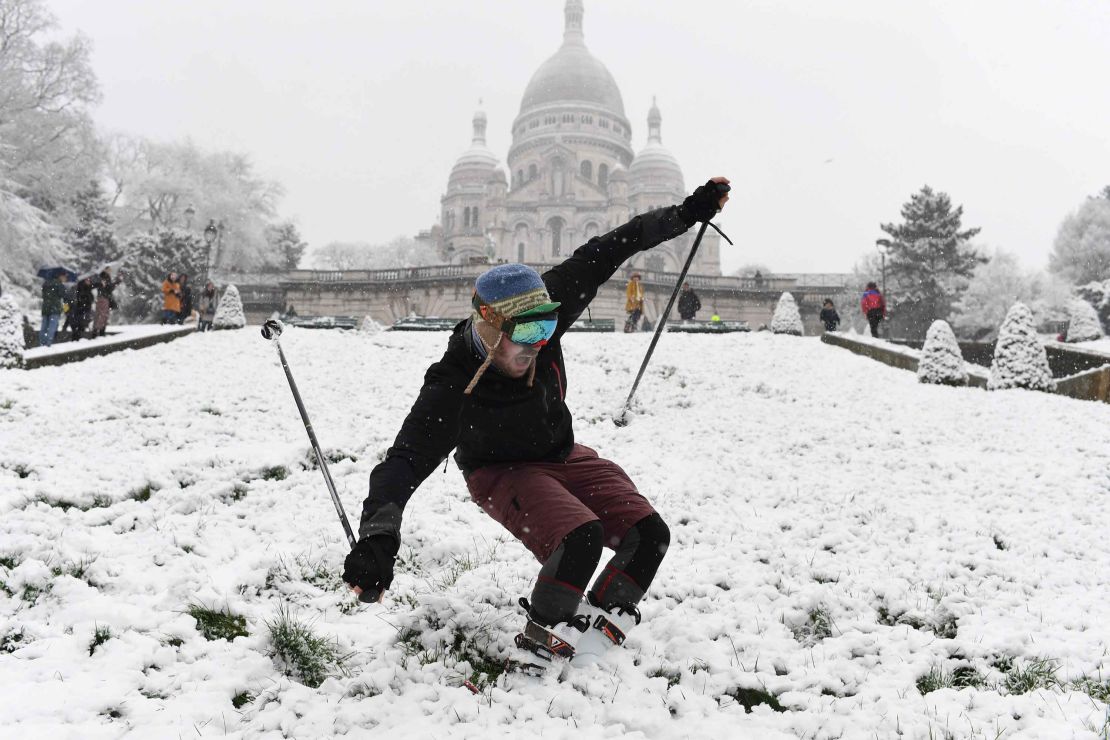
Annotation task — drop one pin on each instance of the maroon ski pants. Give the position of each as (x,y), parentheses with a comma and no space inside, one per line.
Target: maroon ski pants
(542,502)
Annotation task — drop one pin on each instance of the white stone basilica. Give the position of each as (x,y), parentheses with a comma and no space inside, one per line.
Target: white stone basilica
(572,173)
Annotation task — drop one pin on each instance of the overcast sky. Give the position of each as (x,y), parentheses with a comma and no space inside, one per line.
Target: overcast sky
(826,115)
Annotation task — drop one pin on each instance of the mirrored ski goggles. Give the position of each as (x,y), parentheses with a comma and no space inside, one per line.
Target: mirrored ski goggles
(532,330)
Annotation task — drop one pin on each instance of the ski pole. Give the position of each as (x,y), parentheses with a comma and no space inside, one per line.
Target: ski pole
(271,330)
(622,420)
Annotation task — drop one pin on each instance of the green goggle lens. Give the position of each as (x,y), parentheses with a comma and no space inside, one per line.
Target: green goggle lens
(535,331)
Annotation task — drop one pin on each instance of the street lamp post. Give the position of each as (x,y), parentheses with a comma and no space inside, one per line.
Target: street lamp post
(210,234)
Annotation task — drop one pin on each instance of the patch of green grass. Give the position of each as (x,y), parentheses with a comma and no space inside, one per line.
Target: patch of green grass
(961,677)
(9,561)
(22,470)
(316,571)
(218,624)
(278,472)
(175,641)
(303,654)
(749,698)
(78,569)
(112,713)
(142,494)
(816,627)
(31,593)
(101,635)
(238,493)
(1099,690)
(999,542)
(243,697)
(1030,675)
(210,410)
(13,640)
(673,675)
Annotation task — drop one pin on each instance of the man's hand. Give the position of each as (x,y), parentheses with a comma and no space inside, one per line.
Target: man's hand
(369,566)
(707,200)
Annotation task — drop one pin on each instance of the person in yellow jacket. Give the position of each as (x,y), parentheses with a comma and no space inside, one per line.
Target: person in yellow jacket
(633,302)
(171,299)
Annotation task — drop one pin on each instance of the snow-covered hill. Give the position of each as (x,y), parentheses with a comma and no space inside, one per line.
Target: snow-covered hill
(843,539)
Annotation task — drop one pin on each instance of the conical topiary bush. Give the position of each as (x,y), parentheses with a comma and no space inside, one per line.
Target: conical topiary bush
(787,320)
(229,311)
(941,362)
(1083,323)
(1019,357)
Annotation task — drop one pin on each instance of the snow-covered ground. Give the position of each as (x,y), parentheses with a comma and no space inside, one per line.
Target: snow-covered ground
(841,538)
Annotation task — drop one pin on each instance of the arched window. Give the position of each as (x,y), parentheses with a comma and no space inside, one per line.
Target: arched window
(587,170)
(519,177)
(474,216)
(466,217)
(603,175)
(555,225)
(532,172)
(590,231)
(520,252)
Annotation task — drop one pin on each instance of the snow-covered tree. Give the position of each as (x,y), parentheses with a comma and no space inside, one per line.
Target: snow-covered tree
(402,251)
(149,258)
(11,333)
(1098,295)
(786,319)
(369,326)
(1081,252)
(229,311)
(286,243)
(28,241)
(92,237)
(1000,283)
(941,362)
(1083,323)
(1020,360)
(929,259)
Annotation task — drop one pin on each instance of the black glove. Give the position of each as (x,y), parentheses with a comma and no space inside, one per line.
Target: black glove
(370,564)
(704,203)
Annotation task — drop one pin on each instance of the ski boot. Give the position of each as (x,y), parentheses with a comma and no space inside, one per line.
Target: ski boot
(551,642)
(607,628)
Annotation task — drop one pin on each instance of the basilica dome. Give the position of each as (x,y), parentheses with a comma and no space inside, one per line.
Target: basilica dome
(477,163)
(573,73)
(654,165)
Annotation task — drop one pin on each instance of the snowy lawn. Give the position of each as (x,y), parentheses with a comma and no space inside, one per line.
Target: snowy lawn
(853,554)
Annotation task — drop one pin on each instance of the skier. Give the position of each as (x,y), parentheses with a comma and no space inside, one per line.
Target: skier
(873,306)
(497,397)
(688,303)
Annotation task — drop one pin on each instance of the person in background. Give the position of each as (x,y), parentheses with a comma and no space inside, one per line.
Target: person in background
(53,295)
(873,306)
(81,308)
(104,300)
(186,294)
(829,317)
(633,302)
(206,310)
(171,299)
(688,303)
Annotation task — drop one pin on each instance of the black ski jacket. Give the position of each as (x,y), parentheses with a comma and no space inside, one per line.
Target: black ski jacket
(688,304)
(503,420)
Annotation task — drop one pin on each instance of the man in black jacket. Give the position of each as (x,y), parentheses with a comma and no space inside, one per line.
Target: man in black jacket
(688,303)
(497,398)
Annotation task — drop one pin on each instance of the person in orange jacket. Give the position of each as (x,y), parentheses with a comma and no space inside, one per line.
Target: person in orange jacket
(633,302)
(171,299)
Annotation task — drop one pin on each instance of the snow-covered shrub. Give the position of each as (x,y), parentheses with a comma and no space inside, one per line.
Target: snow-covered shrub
(229,312)
(11,333)
(941,362)
(787,320)
(1020,360)
(1083,323)
(369,326)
